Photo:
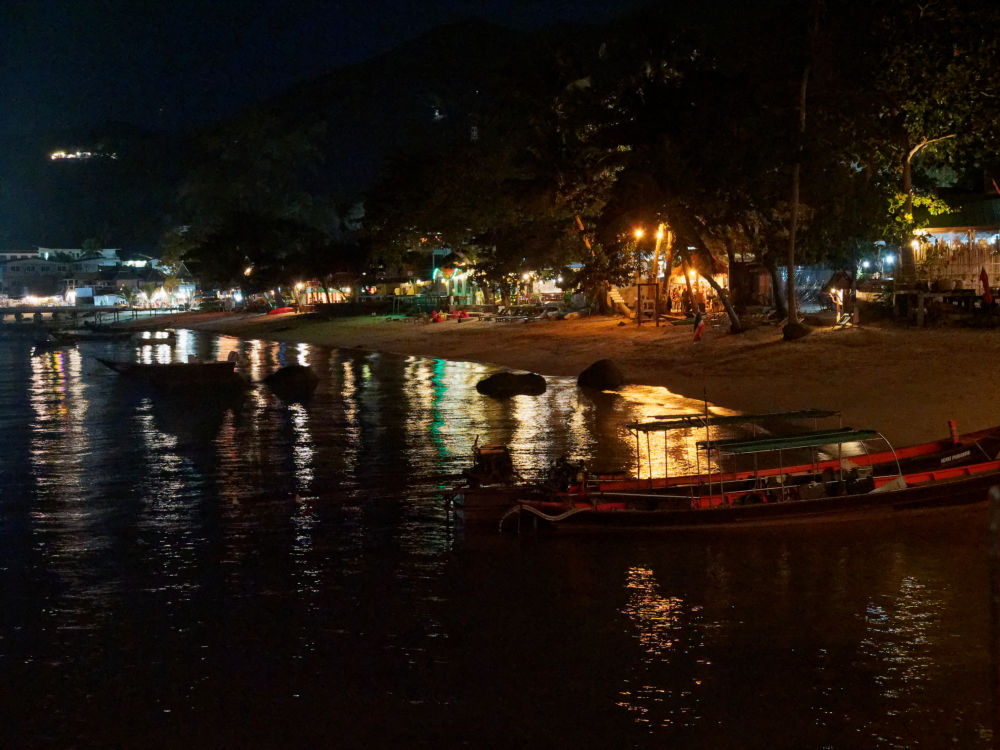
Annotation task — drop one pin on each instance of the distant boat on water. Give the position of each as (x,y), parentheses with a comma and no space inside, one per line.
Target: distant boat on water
(179,374)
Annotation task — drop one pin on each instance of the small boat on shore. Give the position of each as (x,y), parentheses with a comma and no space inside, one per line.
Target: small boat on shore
(954,471)
(174,375)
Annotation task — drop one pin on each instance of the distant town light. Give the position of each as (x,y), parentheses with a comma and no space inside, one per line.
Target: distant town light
(60,154)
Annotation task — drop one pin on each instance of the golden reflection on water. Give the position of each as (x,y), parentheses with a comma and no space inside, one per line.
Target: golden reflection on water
(540,421)
(667,630)
(666,453)
(301,355)
(62,458)
(252,358)
(303,448)
(351,446)
(899,627)
(229,474)
(60,441)
(429,434)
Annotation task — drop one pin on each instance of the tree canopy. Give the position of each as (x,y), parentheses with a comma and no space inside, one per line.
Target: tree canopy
(800,132)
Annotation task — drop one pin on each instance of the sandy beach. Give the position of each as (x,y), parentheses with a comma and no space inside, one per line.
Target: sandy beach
(905,382)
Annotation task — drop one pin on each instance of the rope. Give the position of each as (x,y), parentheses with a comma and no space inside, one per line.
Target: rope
(541,514)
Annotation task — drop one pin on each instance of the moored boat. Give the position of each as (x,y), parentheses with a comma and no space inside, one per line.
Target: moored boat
(96,334)
(950,471)
(179,374)
(959,486)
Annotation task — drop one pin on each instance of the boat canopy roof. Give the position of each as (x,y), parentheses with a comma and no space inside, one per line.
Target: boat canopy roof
(667,422)
(802,440)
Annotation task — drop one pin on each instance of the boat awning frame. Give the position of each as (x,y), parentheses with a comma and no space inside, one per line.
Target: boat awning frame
(668,422)
(803,440)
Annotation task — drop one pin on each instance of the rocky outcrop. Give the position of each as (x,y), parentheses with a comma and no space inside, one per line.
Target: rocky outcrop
(292,382)
(603,375)
(506,384)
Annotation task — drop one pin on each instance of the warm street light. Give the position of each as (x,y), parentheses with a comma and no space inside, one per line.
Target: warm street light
(638,234)
(661,231)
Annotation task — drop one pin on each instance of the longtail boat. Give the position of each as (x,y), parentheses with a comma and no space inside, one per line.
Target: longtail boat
(179,374)
(955,465)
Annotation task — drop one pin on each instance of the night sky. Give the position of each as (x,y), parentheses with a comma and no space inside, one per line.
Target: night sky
(172,65)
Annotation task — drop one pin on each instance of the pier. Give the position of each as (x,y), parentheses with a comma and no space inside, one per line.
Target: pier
(74,315)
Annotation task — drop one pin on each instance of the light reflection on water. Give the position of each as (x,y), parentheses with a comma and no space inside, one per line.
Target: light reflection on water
(668,632)
(178,559)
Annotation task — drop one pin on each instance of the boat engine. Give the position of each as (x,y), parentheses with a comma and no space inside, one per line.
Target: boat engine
(563,473)
(491,464)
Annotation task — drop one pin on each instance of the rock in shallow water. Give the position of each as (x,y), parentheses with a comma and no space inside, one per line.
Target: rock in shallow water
(506,384)
(292,382)
(603,375)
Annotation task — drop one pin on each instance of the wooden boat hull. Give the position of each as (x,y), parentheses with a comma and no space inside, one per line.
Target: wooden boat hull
(967,486)
(96,335)
(484,504)
(178,374)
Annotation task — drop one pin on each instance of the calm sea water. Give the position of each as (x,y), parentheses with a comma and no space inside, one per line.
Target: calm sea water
(182,573)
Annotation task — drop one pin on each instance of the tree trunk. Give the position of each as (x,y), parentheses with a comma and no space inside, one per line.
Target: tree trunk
(793,307)
(727,304)
(687,234)
(777,293)
(794,329)
(907,270)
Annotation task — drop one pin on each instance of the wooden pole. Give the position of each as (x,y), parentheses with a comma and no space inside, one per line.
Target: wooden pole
(669,263)
(660,230)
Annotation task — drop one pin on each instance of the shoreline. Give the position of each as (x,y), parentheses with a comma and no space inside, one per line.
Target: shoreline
(905,382)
